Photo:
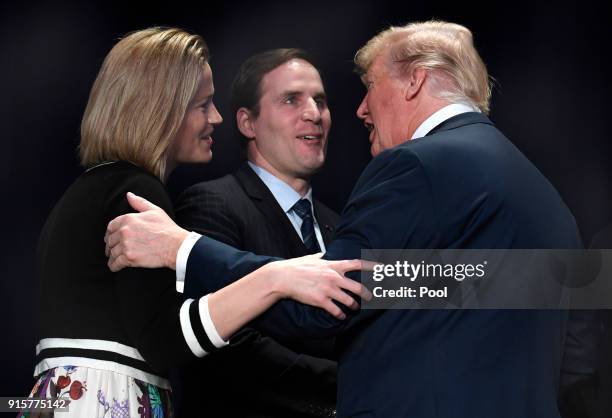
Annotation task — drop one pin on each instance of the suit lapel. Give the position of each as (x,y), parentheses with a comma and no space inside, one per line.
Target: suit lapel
(327,230)
(266,203)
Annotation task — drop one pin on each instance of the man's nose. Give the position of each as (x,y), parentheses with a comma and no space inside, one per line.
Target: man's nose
(311,111)
(362,110)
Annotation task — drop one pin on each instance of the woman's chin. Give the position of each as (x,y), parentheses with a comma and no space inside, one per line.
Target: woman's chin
(207,158)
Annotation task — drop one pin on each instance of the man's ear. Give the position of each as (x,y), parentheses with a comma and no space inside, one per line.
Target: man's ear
(416,79)
(244,121)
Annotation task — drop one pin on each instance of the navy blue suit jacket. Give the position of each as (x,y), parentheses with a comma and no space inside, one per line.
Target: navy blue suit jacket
(463,186)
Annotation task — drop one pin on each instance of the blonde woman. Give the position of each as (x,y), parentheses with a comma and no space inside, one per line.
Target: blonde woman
(106,338)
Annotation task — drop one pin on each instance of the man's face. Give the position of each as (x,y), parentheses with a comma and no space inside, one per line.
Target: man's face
(290,132)
(383,109)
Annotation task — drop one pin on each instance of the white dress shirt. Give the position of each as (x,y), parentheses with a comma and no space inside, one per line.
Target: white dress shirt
(287,198)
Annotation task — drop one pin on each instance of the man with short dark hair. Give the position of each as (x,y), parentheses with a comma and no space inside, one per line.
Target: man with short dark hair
(266,207)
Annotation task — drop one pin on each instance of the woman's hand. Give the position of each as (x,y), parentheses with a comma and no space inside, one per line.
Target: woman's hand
(318,282)
(308,280)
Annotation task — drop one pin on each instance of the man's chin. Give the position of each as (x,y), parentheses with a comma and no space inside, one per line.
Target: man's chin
(312,162)
(310,169)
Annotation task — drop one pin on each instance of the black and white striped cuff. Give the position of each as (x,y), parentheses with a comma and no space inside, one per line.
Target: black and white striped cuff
(198,329)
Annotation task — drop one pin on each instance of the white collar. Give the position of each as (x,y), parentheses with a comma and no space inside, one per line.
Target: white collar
(440,116)
(284,194)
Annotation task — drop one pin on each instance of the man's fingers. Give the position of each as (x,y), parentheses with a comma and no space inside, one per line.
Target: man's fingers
(136,202)
(114,225)
(112,239)
(140,203)
(116,264)
(114,229)
(116,251)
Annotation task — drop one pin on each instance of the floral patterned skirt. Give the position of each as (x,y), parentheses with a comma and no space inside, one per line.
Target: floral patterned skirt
(95,393)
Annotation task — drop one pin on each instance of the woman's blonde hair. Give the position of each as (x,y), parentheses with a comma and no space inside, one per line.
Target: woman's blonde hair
(140,97)
(445,49)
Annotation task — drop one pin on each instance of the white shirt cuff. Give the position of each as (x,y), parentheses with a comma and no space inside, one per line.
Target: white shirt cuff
(209,326)
(181,259)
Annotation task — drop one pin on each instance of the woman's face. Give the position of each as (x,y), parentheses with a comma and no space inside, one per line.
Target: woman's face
(193,141)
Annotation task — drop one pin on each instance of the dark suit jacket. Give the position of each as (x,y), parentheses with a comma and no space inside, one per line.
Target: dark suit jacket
(463,186)
(266,377)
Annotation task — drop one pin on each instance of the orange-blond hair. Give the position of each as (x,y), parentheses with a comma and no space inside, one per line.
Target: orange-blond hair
(445,49)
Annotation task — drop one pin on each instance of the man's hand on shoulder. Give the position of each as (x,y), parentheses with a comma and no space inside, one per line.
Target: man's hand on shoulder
(148,239)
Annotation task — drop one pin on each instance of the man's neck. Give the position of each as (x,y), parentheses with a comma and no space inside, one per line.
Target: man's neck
(423,111)
(300,185)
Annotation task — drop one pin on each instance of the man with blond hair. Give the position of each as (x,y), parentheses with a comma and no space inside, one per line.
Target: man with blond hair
(443,177)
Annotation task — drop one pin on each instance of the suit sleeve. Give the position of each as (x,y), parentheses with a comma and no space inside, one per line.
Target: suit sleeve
(393,191)
(165,329)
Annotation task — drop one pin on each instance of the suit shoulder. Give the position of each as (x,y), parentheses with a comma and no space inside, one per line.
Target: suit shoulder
(389,165)
(213,208)
(403,155)
(220,185)
(221,191)
(471,140)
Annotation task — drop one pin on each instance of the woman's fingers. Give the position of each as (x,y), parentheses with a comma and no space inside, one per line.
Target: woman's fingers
(333,309)
(344,298)
(324,285)
(344,266)
(353,287)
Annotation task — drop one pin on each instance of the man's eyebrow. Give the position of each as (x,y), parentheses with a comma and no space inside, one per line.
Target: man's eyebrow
(290,93)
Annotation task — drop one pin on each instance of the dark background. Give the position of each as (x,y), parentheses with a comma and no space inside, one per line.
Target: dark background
(551,98)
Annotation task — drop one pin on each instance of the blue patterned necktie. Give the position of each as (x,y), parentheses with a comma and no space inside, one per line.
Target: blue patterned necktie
(304,211)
